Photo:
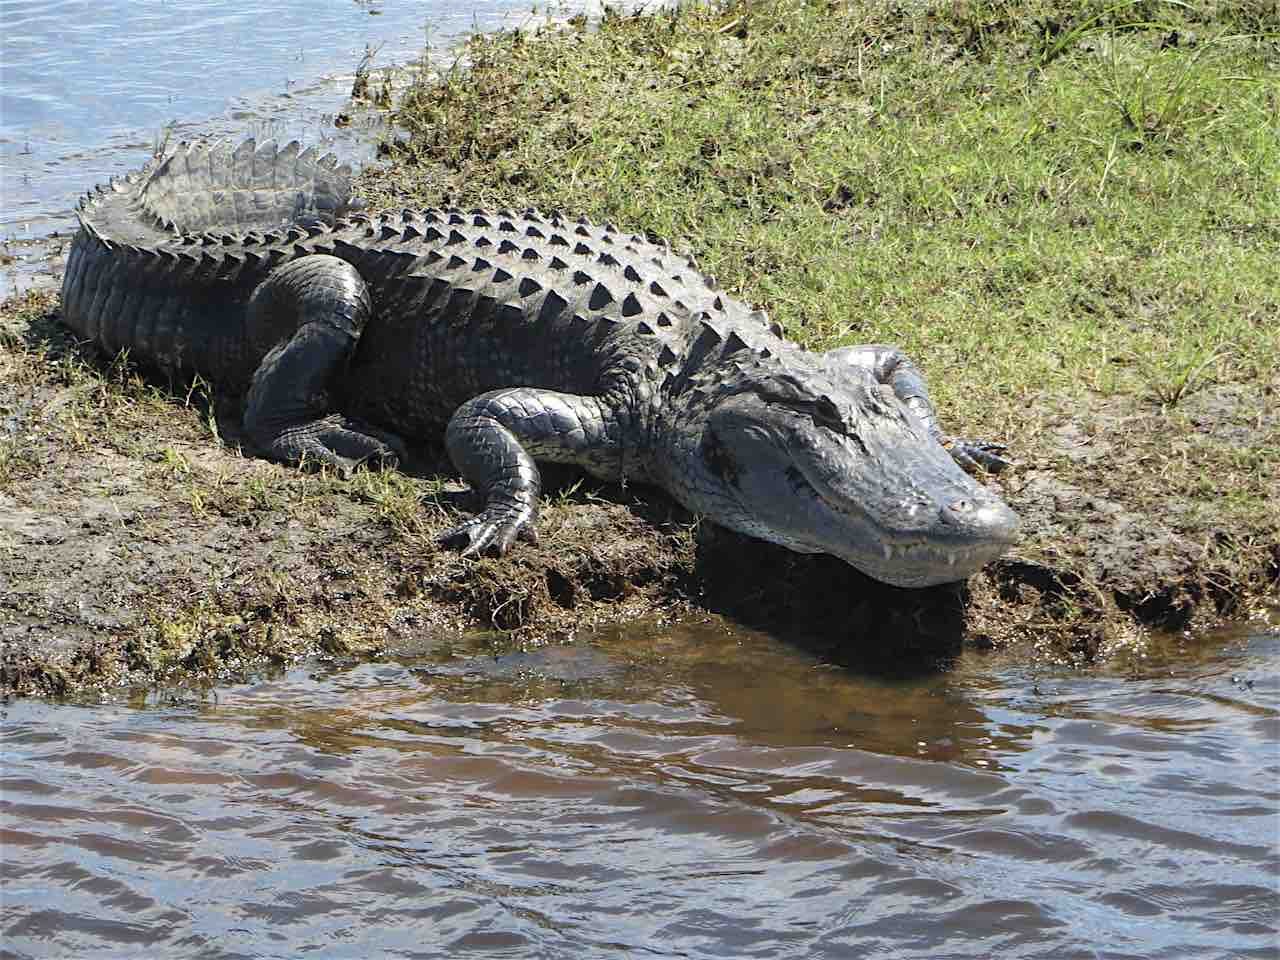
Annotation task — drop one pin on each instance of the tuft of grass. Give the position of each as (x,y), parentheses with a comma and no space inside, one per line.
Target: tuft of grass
(396,498)
(1177,374)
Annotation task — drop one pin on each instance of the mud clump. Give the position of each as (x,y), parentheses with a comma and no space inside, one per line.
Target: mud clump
(140,546)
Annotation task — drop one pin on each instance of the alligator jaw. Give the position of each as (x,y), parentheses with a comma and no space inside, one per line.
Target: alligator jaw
(953,550)
(929,564)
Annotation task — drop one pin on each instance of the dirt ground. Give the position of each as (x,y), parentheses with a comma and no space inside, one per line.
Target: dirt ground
(139,546)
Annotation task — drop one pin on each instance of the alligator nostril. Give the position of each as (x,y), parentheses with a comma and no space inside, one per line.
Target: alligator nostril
(958,510)
(980,517)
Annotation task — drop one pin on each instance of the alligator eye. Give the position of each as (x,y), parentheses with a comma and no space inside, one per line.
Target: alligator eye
(827,414)
(718,459)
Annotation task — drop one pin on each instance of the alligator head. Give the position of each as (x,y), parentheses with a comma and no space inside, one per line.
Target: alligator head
(839,465)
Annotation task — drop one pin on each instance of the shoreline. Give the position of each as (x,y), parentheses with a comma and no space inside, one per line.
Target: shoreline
(139,547)
(305,109)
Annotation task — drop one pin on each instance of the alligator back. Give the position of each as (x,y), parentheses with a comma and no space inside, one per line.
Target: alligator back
(166,258)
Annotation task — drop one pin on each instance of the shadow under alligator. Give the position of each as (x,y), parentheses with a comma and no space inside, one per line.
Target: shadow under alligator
(823,605)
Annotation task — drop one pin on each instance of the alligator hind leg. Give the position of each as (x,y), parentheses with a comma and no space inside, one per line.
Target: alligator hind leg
(493,440)
(891,366)
(313,310)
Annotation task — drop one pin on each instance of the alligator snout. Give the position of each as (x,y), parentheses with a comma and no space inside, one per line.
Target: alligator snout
(987,518)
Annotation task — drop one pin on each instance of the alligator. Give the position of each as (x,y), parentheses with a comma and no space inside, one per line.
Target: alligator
(524,337)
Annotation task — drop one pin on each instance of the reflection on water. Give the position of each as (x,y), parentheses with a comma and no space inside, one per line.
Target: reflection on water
(89,87)
(667,792)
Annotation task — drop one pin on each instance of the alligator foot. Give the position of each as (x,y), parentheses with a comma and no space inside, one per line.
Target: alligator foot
(977,456)
(496,529)
(316,306)
(338,443)
(486,440)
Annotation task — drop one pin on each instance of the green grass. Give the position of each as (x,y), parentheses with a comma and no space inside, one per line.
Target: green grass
(1023,199)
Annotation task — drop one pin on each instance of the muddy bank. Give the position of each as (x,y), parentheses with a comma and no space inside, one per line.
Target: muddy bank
(140,546)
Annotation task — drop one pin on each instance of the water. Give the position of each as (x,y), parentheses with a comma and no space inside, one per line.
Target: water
(89,88)
(658,792)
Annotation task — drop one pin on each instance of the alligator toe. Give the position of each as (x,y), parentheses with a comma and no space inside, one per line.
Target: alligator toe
(978,456)
(493,531)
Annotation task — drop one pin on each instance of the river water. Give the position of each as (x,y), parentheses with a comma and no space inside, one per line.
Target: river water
(89,88)
(657,792)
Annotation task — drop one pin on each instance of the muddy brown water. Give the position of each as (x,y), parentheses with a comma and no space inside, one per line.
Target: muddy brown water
(659,791)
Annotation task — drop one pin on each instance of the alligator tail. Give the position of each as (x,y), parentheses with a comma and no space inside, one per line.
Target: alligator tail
(195,188)
(215,188)
(199,216)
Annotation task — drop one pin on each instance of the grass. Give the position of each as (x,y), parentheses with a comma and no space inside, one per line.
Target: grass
(860,172)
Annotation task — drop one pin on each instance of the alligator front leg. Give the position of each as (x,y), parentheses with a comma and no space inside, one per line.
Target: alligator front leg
(892,367)
(494,439)
(314,309)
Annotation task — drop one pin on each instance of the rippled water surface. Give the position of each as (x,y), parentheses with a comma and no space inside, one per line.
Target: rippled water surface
(674,792)
(89,87)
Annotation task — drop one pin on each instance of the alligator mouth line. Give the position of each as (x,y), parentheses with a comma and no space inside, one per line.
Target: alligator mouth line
(931,555)
(939,554)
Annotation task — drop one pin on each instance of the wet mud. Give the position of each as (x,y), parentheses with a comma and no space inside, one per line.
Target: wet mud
(140,544)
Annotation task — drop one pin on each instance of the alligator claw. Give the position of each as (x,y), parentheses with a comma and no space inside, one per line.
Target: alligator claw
(975,456)
(494,530)
(339,444)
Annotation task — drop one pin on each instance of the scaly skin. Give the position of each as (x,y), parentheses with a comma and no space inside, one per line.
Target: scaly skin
(524,337)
